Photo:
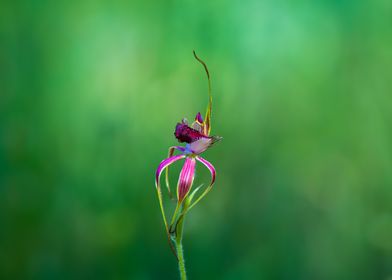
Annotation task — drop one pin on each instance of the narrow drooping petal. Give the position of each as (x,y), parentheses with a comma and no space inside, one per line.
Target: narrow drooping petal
(165,163)
(171,152)
(211,168)
(185,180)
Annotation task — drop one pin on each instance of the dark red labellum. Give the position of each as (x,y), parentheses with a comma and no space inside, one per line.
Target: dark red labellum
(186,134)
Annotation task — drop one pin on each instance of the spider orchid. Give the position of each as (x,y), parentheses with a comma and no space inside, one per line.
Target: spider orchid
(197,140)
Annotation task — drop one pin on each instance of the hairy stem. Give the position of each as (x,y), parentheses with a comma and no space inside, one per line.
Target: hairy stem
(180,254)
(181,263)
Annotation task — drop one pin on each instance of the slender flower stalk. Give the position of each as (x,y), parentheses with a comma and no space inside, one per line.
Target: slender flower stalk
(197,140)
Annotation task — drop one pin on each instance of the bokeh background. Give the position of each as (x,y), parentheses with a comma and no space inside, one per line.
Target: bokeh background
(90,92)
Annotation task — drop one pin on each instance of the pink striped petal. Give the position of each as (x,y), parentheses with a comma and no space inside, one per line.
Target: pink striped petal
(211,168)
(165,163)
(185,180)
(171,152)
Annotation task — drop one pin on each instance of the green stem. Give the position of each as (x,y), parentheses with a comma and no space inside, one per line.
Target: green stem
(180,254)
(181,264)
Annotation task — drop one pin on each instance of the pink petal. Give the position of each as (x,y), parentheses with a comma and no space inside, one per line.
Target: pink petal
(185,180)
(210,167)
(165,163)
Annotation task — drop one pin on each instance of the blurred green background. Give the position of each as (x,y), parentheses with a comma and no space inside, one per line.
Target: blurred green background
(90,93)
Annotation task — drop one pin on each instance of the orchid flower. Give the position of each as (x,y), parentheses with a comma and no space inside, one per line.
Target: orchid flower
(197,140)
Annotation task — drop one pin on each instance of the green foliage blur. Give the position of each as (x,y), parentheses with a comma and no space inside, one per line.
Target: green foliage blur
(90,93)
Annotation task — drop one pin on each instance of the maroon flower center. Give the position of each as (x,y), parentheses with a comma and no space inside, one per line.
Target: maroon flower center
(186,134)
